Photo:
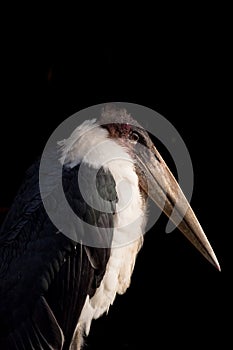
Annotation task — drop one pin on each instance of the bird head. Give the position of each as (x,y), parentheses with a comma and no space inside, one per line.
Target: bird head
(155,178)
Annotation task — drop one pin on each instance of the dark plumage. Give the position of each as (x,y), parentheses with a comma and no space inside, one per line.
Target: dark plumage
(45,277)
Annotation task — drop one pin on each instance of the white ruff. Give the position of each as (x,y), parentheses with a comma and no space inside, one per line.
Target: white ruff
(93,147)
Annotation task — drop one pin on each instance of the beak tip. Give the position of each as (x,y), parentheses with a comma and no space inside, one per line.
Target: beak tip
(215,262)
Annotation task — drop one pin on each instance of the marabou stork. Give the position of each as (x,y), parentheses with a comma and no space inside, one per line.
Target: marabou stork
(52,286)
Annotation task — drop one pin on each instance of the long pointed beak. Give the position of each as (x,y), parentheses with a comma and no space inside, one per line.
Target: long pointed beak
(164,190)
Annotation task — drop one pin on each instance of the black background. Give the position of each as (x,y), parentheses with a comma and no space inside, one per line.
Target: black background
(176,297)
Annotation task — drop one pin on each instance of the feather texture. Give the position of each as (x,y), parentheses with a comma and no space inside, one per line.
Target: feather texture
(53,286)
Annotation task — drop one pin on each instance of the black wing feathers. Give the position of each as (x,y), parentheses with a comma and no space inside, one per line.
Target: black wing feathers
(45,276)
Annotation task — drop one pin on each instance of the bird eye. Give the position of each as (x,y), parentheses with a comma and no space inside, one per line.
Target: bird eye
(134,137)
